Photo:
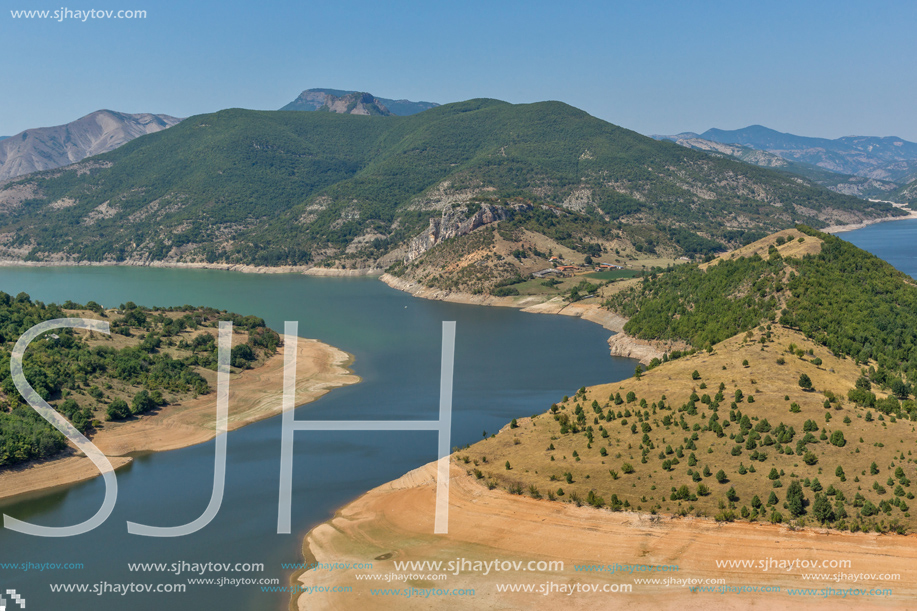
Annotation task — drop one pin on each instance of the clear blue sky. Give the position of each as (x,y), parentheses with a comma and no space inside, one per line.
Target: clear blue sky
(813,68)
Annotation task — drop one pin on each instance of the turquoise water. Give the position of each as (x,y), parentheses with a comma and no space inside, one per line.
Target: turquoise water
(507,364)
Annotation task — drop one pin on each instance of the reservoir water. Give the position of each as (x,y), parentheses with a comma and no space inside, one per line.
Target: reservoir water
(895,241)
(507,364)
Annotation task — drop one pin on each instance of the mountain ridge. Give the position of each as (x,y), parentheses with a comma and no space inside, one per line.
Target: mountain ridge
(271,188)
(858,186)
(47,148)
(886,158)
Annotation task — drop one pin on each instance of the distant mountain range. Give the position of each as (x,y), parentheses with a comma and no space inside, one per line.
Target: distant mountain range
(866,166)
(47,148)
(355,103)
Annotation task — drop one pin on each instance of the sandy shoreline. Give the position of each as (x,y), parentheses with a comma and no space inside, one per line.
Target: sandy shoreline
(394,522)
(253,395)
(306,270)
(912,214)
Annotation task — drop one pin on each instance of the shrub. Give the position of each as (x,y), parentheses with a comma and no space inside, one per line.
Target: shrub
(118,410)
(142,403)
(805,382)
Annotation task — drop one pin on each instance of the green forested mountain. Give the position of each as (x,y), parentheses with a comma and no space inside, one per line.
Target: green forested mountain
(796,405)
(865,187)
(273,188)
(907,194)
(838,295)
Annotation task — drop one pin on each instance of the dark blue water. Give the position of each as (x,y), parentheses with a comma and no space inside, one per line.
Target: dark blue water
(507,364)
(894,241)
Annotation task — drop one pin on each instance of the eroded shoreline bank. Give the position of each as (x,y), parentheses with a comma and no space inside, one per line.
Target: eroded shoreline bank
(834,229)
(394,522)
(620,344)
(306,270)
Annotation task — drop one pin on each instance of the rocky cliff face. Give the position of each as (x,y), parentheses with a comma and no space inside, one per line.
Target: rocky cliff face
(329,99)
(455,222)
(52,147)
(345,103)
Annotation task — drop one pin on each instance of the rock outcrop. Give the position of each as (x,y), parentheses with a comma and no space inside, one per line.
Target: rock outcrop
(455,222)
(336,100)
(622,344)
(348,103)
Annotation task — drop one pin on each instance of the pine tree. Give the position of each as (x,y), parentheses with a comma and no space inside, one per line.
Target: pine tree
(822,509)
(794,498)
(805,382)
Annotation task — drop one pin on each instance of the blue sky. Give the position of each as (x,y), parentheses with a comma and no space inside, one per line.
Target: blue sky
(813,68)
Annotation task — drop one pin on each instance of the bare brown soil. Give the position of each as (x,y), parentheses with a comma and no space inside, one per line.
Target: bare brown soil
(395,521)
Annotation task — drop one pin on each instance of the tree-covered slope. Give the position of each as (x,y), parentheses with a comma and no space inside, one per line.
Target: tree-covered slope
(151,358)
(838,295)
(295,188)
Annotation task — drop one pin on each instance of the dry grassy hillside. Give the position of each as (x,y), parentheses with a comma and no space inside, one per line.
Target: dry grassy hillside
(657,443)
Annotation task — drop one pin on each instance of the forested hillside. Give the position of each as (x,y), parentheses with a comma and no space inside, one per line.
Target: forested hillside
(152,358)
(796,404)
(840,296)
(272,188)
